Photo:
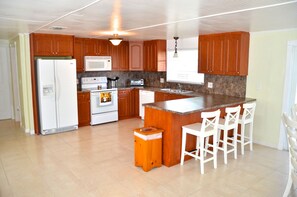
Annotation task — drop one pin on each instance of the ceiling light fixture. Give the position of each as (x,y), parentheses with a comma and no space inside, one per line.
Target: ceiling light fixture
(175,55)
(115,40)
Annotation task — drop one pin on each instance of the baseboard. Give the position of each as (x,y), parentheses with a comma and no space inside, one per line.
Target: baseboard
(275,146)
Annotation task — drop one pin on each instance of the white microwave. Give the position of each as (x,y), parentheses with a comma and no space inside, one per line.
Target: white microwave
(97,63)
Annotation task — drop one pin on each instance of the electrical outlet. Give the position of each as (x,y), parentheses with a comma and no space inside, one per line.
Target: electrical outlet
(210,85)
(162,80)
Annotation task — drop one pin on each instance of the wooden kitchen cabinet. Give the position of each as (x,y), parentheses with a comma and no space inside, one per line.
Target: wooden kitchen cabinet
(154,55)
(161,96)
(52,45)
(136,56)
(224,54)
(95,47)
(128,103)
(78,54)
(120,56)
(84,109)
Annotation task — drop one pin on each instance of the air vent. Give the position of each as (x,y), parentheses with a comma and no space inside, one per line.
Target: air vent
(57,28)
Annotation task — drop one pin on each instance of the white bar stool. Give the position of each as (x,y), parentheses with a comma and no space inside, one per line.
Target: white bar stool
(208,127)
(294,112)
(229,123)
(246,118)
(291,131)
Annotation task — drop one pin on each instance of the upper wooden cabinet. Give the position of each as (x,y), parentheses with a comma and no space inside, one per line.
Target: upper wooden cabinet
(224,54)
(78,54)
(154,55)
(120,56)
(136,56)
(52,45)
(95,47)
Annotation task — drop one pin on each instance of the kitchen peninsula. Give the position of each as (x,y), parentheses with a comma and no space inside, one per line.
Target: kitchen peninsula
(172,115)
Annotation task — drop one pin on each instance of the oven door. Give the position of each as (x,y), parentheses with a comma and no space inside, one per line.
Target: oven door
(104,101)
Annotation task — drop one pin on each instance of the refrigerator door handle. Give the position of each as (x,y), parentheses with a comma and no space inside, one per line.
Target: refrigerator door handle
(57,95)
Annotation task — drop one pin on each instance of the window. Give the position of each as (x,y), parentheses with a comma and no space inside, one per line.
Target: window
(184,68)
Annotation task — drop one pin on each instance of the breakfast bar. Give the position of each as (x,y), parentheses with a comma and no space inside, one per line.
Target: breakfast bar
(172,115)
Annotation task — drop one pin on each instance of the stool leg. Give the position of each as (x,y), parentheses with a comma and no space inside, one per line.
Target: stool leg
(251,136)
(201,154)
(197,147)
(242,138)
(225,145)
(235,142)
(206,145)
(215,150)
(184,139)
(288,187)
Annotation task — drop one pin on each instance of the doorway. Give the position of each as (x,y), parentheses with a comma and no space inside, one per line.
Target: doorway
(290,89)
(5,87)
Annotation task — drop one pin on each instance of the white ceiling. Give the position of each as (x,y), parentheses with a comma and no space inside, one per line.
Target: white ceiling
(144,19)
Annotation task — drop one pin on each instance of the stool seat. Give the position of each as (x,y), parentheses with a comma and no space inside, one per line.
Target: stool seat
(247,118)
(202,131)
(225,125)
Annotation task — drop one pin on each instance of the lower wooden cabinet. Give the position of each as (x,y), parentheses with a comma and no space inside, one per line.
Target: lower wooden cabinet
(128,103)
(161,96)
(84,109)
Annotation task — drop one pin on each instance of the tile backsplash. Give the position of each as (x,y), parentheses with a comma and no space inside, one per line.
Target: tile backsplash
(225,85)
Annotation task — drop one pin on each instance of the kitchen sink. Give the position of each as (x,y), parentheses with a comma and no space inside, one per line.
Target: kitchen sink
(176,90)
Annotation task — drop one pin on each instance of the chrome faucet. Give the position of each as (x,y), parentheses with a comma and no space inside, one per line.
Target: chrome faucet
(179,86)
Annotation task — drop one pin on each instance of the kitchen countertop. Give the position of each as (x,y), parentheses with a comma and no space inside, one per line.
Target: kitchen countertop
(202,102)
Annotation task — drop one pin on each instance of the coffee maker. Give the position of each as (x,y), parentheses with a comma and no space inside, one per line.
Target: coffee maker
(112,82)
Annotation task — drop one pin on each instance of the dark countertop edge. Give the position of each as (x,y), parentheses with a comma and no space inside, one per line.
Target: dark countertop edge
(247,100)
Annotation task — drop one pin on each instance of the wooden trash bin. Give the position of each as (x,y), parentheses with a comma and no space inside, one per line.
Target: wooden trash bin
(148,148)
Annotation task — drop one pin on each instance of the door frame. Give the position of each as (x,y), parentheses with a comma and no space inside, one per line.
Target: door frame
(289,94)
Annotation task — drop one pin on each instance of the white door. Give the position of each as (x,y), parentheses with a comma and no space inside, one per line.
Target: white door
(5,93)
(46,94)
(66,91)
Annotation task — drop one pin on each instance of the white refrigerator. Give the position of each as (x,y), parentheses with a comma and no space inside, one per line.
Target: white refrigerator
(57,95)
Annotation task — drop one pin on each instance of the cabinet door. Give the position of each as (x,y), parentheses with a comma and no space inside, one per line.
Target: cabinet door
(136,56)
(78,54)
(123,104)
(160,96)
(120,56)
(89,47)
(63,45)
(237,50)
(217,54)
(204,55)
(43,44)
(161,55)
(102,47)
(84,112)
(135,103)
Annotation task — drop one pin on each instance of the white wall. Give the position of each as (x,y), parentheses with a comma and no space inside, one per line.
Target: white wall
(265,81)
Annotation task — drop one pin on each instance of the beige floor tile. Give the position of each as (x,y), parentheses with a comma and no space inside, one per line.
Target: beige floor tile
(99,161)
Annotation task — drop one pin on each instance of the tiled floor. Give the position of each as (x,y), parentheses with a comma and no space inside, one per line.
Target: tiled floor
(99,161)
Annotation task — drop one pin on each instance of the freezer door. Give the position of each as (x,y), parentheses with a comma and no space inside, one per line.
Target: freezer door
(46,94)
(66,93)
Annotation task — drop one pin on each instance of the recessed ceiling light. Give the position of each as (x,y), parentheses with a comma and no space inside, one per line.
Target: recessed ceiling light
(57,28)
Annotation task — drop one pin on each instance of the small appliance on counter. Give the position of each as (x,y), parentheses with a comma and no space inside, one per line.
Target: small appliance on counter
(112,82)
(137,82)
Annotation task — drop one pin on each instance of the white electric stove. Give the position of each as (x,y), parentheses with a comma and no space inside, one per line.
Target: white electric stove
(104,101)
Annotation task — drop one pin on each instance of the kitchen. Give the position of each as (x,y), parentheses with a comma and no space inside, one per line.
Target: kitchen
(256,86)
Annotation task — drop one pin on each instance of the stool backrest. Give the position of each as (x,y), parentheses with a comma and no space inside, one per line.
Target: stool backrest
(248,112)
(291,129)
(294,112)
(232,117)
(210,121)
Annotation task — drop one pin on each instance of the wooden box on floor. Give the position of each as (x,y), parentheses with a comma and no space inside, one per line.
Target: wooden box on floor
(148,148)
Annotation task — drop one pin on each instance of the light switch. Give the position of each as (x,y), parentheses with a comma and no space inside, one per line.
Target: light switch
(210,85)
(162,80)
